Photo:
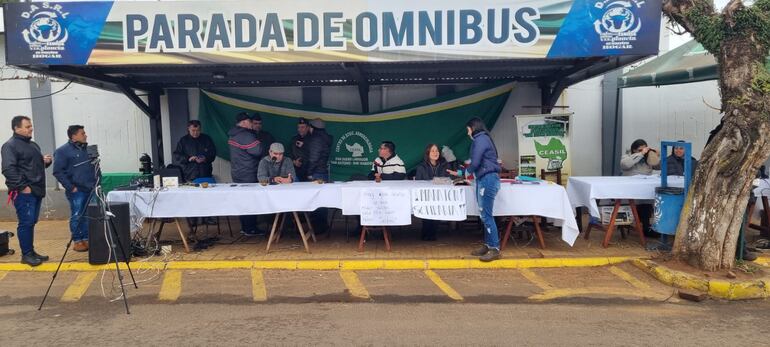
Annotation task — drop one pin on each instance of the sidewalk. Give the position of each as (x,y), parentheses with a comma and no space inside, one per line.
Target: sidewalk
(52,236)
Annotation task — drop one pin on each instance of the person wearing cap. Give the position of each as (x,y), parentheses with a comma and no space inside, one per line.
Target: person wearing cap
(275,168)
(298,153)
(263,136)
(319,147)
(245,153)
(388,166)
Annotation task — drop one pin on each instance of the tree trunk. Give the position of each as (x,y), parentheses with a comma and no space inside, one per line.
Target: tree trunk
(714,209)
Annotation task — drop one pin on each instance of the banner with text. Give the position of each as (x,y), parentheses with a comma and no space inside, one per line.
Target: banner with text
(356,137)
(293,31)
(439,203)
(544,144)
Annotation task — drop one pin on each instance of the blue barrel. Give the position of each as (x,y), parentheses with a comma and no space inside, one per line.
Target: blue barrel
(668,207)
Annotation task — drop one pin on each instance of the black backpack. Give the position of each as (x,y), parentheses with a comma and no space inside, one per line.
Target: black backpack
(5,237)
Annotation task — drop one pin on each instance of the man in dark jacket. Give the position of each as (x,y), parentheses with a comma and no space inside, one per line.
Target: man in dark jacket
(78,175)
(675,162)
(263,136)
(299,150)
(319,147)
(195,152)
(24,170)
(245,153)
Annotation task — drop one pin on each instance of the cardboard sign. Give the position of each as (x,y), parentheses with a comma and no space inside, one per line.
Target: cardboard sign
(385,207)
(439,203)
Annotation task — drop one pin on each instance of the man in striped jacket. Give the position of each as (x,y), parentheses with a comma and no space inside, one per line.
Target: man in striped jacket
(245,153)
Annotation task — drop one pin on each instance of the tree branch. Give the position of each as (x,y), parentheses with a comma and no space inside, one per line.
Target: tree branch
(700,19)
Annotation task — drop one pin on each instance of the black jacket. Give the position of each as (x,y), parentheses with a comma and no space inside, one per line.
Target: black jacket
(298,152)
(188,147)
(426,172)
(23,165)
(245,153)
(675,165)
(73,168)
(266,139)
(319,147)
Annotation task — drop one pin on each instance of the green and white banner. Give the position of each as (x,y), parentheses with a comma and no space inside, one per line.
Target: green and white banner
(356,137)
(544,144)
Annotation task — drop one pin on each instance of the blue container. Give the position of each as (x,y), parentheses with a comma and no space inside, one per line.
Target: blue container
(670,200)
(668,207)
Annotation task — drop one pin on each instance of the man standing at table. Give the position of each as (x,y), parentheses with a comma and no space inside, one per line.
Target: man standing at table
(299,150)
(388,166)
(245,153)
(275,168)
(24,169)
(319,147)
(264,137)
(77,174)
(195,152)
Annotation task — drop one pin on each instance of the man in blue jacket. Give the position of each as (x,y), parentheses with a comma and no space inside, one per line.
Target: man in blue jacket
(77,174)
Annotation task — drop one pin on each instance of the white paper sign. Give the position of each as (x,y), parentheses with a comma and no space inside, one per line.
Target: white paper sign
(385,207)
(439,203)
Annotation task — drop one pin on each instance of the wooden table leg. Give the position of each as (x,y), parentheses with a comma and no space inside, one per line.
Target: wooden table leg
(364,229)
(507,233)
(611,227)
(637,222)
(539,231)
(272,235)
(310,226)
(386,235)
(181,234)
(301,231)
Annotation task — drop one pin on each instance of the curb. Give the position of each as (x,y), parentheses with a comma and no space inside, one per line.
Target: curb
(755,289)
(406,264)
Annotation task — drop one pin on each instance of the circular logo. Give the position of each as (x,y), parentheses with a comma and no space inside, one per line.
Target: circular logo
(618,20)
(44,28)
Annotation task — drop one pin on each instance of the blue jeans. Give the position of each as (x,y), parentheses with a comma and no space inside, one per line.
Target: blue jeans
(486,190)
(27,211)
(78,225)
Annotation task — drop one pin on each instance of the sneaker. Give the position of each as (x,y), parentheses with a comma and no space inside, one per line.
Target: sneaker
(749,256)
(39,256)
(249,233)
(493,254)
(30,260)
(480,251)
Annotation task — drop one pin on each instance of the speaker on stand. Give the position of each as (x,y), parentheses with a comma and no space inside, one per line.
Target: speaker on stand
(98,246)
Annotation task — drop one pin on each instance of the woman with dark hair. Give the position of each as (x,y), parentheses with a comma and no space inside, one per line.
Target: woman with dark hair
(675,162)
(641,160)
(485,167)
(433,165)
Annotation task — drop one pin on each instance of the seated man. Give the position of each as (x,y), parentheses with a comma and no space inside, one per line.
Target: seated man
(275,168)
(388,166)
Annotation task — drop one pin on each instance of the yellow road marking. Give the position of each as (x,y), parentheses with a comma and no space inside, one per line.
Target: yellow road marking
(561,293)
(2,274)
(536,279)
(443,285)
(354,285)
(78,288)
(258,290)
(171,287)
(629,278)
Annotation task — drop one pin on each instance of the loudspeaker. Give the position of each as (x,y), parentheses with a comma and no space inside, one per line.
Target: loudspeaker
(98,247)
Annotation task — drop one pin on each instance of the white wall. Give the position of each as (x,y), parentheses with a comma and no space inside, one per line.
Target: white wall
(111,121)
(671,113)
(585,100)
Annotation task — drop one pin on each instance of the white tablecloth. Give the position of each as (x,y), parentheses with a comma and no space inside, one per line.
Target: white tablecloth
(585,191)
(546,200)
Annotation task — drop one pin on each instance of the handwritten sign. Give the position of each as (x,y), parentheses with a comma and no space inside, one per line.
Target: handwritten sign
(440,203)
(385,207)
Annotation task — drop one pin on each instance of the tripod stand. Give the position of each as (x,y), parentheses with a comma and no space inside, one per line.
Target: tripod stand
(110,232)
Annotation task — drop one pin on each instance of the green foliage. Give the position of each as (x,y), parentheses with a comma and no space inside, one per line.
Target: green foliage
(709,29)
(761,81)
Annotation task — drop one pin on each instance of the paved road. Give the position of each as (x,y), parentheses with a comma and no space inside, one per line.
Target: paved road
(598,306)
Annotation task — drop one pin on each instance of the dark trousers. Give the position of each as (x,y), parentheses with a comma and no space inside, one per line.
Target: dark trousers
(27,211)
(645,213)
(248,223)
(429,227)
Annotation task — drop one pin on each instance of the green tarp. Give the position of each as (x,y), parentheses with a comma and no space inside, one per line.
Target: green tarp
(356,137)
(687,63)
